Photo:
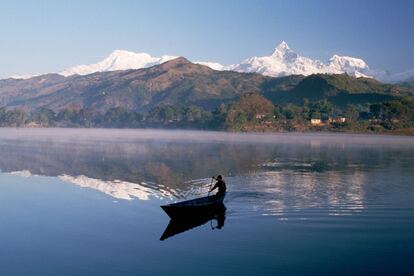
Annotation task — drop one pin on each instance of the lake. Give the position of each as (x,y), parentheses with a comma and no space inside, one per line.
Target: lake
(87,201)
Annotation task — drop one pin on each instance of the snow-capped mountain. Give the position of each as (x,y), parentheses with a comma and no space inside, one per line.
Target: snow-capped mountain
(350,65)
(118,60)
(125,60)
(284,61)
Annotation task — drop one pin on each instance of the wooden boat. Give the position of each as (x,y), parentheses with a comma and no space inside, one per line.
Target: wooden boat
(194,206)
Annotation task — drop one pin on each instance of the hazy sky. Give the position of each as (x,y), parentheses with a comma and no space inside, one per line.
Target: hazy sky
(48,36)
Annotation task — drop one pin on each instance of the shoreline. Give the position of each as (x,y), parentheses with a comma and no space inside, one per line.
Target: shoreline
(400,132)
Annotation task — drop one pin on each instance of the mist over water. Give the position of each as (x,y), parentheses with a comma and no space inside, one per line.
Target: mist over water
(133,135)
(294,201)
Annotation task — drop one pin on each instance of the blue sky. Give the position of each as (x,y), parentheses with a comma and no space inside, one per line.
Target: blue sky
(48,36)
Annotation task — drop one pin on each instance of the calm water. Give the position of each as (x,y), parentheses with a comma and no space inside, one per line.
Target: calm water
(82,202)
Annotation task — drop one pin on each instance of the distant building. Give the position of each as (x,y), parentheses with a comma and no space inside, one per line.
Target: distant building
(331,120)
(339,119)
(316,122)
(260,116)
(32,125)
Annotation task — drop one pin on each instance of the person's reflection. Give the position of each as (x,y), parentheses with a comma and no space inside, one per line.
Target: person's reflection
(220,218)
(176,226)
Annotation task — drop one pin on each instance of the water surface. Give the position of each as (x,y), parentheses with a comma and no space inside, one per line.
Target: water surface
(81,202)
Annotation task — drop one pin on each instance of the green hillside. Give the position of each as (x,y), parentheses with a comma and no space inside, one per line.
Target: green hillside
(338,89)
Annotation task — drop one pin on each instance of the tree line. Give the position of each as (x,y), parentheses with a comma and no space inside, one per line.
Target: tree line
(251,112)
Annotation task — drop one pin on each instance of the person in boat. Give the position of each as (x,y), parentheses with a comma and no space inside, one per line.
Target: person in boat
(220,185)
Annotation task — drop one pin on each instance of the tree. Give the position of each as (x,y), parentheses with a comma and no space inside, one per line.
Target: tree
(121,117)
(16,117)
(351,112)
(376,110)
(3,116)
(68,115)
(255,105)
(165,114)
(45,117)
(322,109)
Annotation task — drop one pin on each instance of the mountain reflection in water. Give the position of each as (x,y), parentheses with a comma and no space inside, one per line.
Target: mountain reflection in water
(276,173)
(116,188)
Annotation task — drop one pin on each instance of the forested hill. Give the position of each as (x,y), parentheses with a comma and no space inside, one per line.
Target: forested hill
(340,90)
(174,82)
(180,82)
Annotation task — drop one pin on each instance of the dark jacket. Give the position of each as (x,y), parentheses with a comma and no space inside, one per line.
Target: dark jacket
(221,185)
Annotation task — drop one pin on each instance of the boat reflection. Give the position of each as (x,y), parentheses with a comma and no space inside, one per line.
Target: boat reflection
(183,224)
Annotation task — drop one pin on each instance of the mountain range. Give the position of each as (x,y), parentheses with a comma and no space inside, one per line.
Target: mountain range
(181,82)
(282,62)
(176,81)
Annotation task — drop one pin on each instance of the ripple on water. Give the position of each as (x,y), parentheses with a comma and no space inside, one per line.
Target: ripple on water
(294,195)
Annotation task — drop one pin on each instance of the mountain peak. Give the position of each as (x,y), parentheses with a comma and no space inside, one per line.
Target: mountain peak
(282,48)
(127,54)
(350,60)
(119,52)
(180,60)
(350,65)
(283,53)
(177,62)
(284,61)
(118,60)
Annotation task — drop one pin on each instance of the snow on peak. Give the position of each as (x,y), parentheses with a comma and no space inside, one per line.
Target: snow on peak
(22,77)
(125,60)
(348,63)
(283,45)
(118,60)
(283,52)
(212,65)
(282,48)
(284,61)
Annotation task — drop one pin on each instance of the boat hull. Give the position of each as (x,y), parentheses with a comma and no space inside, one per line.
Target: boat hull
(185,209)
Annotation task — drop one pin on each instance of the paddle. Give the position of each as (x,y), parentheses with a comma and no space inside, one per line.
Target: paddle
(209,189)
(211,183)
